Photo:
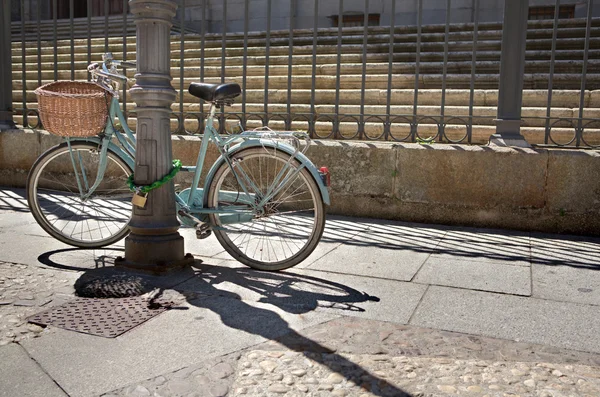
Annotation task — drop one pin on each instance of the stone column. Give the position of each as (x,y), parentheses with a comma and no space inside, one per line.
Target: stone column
(512,68)
(6,109)
(154,244)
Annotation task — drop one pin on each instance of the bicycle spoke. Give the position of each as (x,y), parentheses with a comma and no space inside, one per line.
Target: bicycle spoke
(287,227)
(57,204)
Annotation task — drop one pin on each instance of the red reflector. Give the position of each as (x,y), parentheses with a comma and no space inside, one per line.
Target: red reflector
(325,176)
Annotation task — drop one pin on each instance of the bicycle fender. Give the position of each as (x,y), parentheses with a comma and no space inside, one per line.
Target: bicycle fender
(111,146)
(301,157)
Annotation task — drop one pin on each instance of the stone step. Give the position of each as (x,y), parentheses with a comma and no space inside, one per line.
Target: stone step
(400,132)
(193,48)
(482,67)
(17,59)
(531,98)
(191,42)
(437,32)
(355,81)
(455,115)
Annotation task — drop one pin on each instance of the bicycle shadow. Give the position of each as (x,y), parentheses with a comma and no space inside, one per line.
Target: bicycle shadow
(241,296)
(292,293)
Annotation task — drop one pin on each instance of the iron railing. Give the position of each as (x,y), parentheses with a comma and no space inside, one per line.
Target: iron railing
(408,48)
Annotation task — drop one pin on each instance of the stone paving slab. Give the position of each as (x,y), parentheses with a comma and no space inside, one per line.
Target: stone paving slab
(207,247)
(302,291)
(576,251)
(562,324)
(566,283)
(498,246)
(395,250)
(21,376)
(362,258)
(30,245)
(485,276)
(205,328)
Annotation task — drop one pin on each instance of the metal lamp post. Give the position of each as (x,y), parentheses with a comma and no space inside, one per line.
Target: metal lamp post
(154,244)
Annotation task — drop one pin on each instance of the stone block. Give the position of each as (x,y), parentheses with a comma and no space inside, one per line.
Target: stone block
(594,101)
(357,168)
(573,182)
(467,176)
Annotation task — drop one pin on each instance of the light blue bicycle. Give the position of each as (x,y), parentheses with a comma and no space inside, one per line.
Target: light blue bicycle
(263,198)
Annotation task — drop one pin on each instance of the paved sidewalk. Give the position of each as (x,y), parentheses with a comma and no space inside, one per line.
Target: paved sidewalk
(381,308)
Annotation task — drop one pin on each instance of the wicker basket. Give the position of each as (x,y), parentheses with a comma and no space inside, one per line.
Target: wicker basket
(73,108)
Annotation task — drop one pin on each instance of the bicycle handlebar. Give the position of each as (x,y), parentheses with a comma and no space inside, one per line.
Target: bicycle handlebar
(94,69)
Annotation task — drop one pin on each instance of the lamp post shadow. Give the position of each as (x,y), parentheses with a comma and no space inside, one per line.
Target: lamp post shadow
(289,292)
(283,290)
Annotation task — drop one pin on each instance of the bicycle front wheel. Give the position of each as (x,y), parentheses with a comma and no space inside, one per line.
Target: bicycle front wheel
(284,231)
(56,194)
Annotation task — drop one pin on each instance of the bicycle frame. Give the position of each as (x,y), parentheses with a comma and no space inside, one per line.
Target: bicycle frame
(193,200)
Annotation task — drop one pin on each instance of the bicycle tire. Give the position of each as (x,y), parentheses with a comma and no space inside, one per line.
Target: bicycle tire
(54,200)
(284,220)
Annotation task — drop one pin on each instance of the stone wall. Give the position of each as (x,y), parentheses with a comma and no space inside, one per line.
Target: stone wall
(551,190)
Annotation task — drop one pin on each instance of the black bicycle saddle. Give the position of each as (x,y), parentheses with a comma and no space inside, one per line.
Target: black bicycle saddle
(215,92)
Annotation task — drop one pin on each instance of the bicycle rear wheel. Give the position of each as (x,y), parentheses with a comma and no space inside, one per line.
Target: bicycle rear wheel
(289,226)
(56,202)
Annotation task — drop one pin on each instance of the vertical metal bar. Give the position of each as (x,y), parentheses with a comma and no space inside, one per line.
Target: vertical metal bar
(39,42)
(363,84)
(181,61)
(223,41)
(388,103)
(89,37)
(23,66)
(473,67)
(6,80)
(338,75)
(71,17)
(55,16)
(106,12)
(267,54)
(512,67)
(417,66)
(314,59)
(551,76)
(245,63)
(290,54)
(223,52)
(125,2)
(202,43)
(444,73)
(588,28)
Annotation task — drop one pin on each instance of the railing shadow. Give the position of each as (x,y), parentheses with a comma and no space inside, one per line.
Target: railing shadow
(465,242)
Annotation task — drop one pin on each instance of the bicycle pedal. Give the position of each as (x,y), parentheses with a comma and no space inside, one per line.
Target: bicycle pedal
(202,234)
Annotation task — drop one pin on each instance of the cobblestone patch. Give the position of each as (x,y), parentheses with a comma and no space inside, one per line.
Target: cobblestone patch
(361,358)
(287,373)
(24,291)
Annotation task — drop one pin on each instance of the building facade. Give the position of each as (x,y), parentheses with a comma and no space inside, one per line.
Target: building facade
(301,12)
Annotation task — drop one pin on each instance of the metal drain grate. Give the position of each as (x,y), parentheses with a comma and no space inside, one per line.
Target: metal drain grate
(101,317)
